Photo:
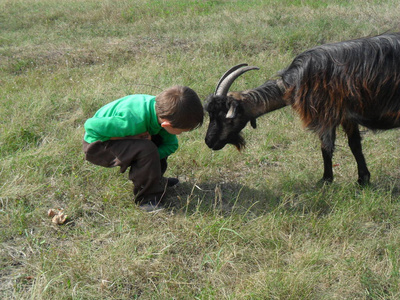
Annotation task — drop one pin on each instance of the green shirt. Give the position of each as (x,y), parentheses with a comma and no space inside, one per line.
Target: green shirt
(131,115)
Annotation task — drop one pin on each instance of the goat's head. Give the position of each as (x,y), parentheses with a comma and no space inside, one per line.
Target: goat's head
(227,114)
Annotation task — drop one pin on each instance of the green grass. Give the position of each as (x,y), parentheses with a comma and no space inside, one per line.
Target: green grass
(250,225)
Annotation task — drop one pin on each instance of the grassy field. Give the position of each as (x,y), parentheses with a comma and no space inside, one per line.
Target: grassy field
(250,225)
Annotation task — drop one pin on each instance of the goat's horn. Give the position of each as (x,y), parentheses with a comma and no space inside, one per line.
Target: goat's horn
(234,68)
(229,77)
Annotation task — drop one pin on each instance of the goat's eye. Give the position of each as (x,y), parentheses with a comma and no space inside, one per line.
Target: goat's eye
(222,115)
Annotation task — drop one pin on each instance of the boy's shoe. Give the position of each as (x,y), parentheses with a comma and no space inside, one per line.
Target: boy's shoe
(171,181)
(151,203)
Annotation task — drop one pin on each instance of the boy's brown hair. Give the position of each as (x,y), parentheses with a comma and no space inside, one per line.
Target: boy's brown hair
(181,106)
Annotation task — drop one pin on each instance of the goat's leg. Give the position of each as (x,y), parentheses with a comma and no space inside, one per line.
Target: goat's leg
(327,147)
(354,139)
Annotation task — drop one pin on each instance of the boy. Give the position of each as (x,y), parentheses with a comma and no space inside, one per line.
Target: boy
(139,131)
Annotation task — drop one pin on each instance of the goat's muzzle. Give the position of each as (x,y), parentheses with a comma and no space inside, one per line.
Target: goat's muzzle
(238,141)
(214,145)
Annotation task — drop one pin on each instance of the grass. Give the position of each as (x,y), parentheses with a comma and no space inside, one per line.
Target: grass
(250,225)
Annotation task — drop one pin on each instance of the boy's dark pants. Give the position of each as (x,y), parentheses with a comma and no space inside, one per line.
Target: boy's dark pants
(140,155)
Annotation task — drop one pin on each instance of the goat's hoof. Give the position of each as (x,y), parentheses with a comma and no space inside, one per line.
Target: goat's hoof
(324,181)
(363,182)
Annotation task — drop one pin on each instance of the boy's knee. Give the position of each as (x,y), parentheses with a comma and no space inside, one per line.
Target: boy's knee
(97,154)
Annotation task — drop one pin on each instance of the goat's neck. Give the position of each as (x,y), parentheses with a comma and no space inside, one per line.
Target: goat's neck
(264,99)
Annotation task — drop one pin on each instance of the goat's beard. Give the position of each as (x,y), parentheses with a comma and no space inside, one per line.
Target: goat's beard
(239,142)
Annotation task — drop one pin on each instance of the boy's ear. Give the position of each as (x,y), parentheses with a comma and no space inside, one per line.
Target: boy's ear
(165,123)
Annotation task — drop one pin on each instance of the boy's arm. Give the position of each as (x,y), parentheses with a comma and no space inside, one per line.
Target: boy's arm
(169,144)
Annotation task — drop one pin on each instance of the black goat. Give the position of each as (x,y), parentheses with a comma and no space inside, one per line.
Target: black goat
(348,83)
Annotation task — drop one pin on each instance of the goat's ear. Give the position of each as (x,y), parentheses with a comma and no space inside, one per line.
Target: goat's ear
(253,123)
(232,110)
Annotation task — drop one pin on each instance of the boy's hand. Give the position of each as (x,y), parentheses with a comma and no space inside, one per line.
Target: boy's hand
(144,135)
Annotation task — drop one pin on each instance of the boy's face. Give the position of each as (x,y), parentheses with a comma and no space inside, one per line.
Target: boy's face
(167,126)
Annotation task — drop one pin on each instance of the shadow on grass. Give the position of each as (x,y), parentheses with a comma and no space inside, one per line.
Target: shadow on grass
(388,182)
(234,198)
(222,198)
(292,196)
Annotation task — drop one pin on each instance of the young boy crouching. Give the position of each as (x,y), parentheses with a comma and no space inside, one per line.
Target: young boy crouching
(139,131)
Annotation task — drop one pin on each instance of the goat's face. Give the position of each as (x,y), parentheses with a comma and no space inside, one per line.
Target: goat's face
(227,116)
(227,119)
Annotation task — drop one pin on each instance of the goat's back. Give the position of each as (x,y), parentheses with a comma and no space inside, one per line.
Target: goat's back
(357,79)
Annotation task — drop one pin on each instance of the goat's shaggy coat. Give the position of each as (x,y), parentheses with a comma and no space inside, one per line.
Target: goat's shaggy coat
(349,83)
(355,80)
